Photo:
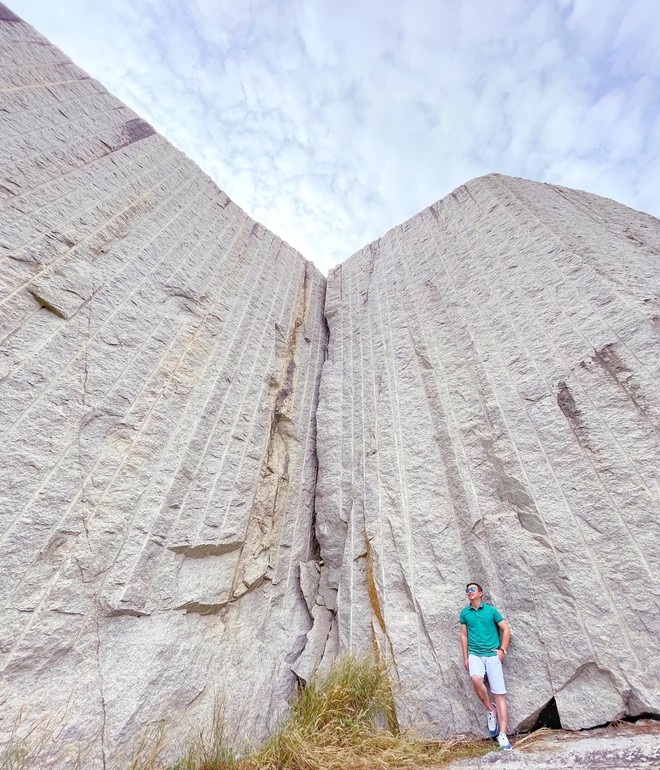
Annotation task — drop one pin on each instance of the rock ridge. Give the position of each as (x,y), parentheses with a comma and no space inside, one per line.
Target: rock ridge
(489,411)
(159,373)
(220,470)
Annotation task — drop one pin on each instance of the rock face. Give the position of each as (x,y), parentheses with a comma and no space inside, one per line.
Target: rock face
(488,410)
(159,375)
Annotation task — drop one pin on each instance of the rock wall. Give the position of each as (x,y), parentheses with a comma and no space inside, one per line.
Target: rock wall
(159,363)
(489,411)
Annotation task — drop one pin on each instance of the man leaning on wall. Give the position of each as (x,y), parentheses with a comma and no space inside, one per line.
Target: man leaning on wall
(483,653)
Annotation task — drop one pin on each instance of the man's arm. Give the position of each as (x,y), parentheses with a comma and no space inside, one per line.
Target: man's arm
(464,645)
(505,639)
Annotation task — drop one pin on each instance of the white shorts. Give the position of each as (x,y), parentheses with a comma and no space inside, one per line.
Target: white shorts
(490,666)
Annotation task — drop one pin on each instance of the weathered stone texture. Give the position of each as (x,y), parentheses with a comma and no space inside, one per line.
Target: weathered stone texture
(159,363)
(489,411)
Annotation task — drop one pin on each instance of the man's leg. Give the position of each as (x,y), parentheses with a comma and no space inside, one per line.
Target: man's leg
(502,712)
(482,692)
(498,691)
(477,673)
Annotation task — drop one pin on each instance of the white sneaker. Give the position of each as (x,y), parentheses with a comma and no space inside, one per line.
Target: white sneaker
(504,742)
(491,717)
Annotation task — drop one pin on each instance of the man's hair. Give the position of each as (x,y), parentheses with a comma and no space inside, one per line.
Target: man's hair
(472,583)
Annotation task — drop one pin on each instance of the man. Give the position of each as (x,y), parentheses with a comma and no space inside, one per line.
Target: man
(483,653)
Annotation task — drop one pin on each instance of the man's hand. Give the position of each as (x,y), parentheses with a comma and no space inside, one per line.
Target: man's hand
(464,646)
(500,654)
(506,636)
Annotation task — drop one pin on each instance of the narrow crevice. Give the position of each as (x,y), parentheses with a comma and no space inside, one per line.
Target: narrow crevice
(548,716)
(627,719)
(638,717)
(323,610)
(48,305)
(314,545)
(257,553)
(104,715)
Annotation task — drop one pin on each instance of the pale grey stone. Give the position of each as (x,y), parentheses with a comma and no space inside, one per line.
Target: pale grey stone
(160,354)
(489,411)
(180,525)
(310,575)
(613,748)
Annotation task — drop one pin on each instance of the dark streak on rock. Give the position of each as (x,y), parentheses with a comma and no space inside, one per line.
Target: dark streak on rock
(120,612)
(532,522)
(510,490)
(257,231)
(48,306)
(566,402)
(200,608)
(609,358)
(137,129)
(205,549)
(622,374)
(9,16)
(132,131)
(421,356)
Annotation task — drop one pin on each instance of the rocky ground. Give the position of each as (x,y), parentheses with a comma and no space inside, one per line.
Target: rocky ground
(624,745)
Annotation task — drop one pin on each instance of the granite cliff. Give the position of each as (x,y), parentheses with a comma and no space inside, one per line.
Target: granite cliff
(490,408)
(220,470)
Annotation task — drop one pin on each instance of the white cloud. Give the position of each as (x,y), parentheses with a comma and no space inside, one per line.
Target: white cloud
(331,122)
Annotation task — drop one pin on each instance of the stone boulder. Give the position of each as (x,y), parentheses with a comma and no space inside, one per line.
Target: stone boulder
(489,411)
(159,372)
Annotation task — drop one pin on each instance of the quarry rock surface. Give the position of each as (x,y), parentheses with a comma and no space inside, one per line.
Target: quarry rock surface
(489,411)
(219,471)
(621,747)
(159,374)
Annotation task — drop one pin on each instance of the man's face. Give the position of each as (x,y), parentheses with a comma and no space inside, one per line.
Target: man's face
(473,593)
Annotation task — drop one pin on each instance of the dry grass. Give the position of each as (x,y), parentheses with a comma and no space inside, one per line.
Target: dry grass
(144,751)
(208,751)
(346,721)
(38,744)
(533,739)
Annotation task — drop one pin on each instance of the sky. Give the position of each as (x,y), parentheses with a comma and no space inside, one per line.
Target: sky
(332,121)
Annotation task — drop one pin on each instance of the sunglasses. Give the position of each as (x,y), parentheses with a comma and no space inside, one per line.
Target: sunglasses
(470,590)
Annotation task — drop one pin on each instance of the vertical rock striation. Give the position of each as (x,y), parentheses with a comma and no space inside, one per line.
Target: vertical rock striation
(159,363)
(489,411)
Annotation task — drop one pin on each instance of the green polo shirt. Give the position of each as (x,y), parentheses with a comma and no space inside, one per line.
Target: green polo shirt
(483,634)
